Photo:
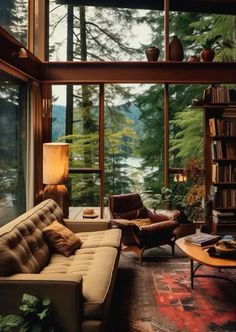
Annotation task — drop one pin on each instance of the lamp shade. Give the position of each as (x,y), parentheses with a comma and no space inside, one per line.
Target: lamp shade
(55,163)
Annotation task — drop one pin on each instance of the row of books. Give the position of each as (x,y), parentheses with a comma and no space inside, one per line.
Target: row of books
(223,198)
(220,217)
(219,127)
(216,94)
(223,150)
(202,239)
(224,173)
(229,113)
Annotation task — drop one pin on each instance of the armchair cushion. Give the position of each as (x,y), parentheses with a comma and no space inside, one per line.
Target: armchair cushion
(158,232)
(60,238)
(133,214)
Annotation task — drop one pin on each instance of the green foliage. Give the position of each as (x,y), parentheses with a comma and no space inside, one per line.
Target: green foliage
(188,140)
(211,42)
(35,316)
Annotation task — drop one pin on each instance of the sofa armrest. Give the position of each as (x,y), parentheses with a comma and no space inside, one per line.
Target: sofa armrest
(77,226)
(65,292)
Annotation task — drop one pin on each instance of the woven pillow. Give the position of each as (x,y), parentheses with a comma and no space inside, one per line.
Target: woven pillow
(61,239)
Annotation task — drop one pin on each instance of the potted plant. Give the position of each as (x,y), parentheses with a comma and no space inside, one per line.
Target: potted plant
(207,53)
(187,194)
(35,316)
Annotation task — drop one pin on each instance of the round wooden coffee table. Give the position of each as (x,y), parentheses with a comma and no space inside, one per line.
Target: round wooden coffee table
(200,255)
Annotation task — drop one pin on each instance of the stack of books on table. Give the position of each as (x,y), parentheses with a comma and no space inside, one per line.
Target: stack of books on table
(220,217)
(202,239)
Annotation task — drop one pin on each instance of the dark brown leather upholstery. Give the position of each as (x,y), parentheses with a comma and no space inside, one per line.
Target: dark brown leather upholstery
(140,226)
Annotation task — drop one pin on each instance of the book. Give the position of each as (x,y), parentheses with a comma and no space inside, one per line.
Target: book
(202,239)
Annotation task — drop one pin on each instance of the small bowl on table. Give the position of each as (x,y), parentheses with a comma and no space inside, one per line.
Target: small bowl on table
(226,248)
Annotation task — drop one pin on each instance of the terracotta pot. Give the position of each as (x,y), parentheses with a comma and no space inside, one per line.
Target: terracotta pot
(207,54)
(194,58)
(176,52)
(152,53)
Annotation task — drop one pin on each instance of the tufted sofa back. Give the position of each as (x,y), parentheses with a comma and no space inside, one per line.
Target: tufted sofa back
(22,245)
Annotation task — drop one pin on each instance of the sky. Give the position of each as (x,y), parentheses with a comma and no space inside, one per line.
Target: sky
(141,34)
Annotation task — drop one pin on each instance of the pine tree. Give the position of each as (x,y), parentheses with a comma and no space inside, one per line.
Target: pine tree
(99,34)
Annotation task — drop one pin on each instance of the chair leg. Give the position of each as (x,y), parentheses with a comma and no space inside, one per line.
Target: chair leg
(140,255)
(173,248)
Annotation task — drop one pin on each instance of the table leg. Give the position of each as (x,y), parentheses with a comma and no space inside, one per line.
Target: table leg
(191,272)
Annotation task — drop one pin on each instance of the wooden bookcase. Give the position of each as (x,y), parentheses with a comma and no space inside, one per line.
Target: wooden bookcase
(220,163)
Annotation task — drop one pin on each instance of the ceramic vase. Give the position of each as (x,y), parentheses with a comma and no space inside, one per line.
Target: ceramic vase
(176,52)
(152,53)
(207,55)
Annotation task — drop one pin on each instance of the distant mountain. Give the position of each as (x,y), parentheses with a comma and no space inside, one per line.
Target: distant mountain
(59,116)
(133,113)
(58,121)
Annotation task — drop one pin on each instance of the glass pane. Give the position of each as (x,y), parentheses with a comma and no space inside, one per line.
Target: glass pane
(97,33)
(12,147)
(75,119)
(84,190)
(200,30)
(14,18)
(134,139)
(186,155)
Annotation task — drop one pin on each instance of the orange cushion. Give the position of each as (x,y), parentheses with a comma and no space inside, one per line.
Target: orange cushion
(61,239)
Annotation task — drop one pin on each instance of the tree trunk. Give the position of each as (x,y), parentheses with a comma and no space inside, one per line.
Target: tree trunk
(69,87)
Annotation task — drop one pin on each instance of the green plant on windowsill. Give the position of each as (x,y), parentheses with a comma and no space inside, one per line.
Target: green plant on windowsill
(35,316)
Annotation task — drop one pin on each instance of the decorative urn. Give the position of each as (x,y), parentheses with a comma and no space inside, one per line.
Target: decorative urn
(152,53)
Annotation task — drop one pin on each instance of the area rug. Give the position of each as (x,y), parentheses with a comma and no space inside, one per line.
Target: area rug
(158,297)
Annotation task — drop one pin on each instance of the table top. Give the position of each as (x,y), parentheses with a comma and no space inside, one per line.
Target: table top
(200,255)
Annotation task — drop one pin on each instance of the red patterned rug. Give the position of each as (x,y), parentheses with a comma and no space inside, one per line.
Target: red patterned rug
(158,297)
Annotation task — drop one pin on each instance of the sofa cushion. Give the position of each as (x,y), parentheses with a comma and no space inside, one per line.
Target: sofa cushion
(61,239)
(106,238)
(23,250)
(96,265)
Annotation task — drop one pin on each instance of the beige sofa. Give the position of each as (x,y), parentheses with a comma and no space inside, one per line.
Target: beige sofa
(80,286)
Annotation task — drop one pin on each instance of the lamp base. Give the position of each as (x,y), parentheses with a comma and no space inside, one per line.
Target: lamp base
(59,194)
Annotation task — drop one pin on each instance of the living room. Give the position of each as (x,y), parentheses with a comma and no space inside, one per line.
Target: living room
(78,74)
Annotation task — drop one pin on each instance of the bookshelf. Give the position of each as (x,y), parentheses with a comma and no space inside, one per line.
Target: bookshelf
(220,160)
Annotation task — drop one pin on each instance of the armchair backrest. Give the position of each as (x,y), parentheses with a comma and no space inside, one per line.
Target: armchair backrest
(127,206)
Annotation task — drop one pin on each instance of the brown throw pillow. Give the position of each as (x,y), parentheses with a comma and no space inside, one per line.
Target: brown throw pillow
(62,239)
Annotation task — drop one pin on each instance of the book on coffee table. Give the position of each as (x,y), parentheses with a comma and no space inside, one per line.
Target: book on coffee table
(202,239)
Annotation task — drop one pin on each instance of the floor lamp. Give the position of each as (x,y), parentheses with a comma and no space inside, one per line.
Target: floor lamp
(55,174)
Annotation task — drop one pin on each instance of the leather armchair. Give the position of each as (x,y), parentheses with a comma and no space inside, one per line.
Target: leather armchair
(140,226)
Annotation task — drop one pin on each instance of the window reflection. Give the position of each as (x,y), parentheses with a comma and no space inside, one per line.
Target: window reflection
(14,18)
(12,147)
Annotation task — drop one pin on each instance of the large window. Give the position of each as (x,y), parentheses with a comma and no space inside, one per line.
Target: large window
(132,138)
(75,119)
(96,33)
(12,146)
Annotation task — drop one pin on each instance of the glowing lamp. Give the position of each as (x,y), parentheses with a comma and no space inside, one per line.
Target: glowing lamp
(55,173)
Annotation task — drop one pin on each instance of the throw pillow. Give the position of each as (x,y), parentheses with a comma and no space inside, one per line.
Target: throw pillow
(61,238)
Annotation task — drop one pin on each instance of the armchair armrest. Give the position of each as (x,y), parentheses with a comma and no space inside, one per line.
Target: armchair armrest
(77,226)
(65,291)
(162,226)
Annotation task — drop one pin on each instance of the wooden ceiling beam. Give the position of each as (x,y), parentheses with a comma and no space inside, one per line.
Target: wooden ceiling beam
(140,72)
(197,6)
(14,54)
